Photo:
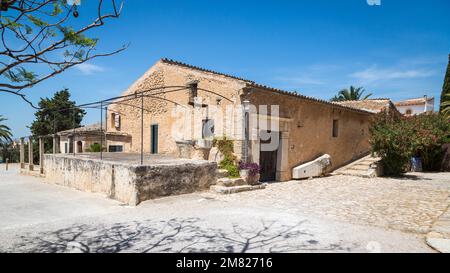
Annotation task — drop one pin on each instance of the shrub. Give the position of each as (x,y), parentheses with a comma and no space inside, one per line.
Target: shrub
(397,139)
(390,139)
(430,133)
(226,147)
(95,148)
(229,165)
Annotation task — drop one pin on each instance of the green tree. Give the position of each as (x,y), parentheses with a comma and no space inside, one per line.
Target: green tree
(9,151)
(41,39)
(5,131)
(56,114)
(445,95)
(353,93)
(445,106)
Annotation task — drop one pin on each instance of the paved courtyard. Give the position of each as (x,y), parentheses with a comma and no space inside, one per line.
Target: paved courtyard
(333,214)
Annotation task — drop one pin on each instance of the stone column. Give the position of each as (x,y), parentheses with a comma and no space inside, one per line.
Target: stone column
(56,144)
(255,146)
(283,172)
(22,153)
(30,154)
(41,155)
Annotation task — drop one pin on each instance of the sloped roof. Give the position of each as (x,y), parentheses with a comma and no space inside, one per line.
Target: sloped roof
(251,83)
(372,105)
(416,101)
(91,128)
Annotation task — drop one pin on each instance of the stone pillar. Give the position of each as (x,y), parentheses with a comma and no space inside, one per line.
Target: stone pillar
(283,172)
(41,155)
(30,154)
(22,153)
(56,144)
(255,146)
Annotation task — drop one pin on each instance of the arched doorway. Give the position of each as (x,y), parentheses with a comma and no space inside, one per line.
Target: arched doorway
(79,147)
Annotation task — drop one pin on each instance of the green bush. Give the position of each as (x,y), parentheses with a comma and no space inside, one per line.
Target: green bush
(229,165)
(96,148)
(430,133)
(397,139)
(226,147)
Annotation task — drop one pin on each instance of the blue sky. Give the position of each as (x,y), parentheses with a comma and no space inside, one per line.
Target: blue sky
(317,47)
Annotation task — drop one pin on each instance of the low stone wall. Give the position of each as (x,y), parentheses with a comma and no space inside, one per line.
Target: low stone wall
(129,183)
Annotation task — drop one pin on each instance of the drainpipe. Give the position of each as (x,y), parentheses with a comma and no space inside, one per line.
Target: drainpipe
(245,147)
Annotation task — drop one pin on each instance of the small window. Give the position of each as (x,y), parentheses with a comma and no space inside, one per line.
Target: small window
(115,148)
(115,120)
(193,92)
(409,112)
(335,128)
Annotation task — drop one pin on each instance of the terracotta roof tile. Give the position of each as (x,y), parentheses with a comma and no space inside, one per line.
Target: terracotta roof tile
(251,83)
(416,101)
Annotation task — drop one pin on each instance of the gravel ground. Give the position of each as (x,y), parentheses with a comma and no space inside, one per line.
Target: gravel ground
(37,217)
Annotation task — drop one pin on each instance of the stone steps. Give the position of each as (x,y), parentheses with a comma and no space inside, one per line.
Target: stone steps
(230,182)
(236,189)
(221,173)
(365,167)
(227,185)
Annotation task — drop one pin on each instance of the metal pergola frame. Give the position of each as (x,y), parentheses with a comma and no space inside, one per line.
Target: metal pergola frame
(122,100)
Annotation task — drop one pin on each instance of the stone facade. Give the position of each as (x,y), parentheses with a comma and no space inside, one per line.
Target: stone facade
(306,124)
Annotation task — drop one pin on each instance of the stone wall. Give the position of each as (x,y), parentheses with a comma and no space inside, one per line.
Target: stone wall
(163,111)
(127,183)
(309,126)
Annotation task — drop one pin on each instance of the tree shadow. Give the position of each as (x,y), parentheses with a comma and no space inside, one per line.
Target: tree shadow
(177,235)
(407,176)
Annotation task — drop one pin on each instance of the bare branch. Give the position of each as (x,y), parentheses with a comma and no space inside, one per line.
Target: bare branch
(35,33)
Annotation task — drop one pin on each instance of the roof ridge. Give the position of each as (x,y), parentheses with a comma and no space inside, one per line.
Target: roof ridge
(419,98)
(174,62)
(296,94)
(255,84)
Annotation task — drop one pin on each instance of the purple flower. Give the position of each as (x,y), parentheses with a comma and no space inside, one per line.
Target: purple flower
(253,168)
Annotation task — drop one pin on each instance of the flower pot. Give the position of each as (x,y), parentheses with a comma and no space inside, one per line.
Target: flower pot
(244,174)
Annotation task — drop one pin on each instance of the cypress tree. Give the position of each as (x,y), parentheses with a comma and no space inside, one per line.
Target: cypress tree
(445,96)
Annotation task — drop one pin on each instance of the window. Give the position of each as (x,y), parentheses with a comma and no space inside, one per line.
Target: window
(335,128)
(65,148)
(208,129)
(115,120)
(193,92)
(408,112)
(115,148)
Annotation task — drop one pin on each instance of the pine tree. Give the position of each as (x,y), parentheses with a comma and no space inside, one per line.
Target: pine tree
(56,114)
(445,96)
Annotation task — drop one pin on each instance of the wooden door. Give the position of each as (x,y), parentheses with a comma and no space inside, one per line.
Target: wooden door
(154,139)
(268,162)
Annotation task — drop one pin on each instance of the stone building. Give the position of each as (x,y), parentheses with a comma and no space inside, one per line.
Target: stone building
(182,103)
(79,140)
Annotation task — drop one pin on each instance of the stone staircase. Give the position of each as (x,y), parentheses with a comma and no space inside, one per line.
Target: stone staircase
(227,185)
(366,167)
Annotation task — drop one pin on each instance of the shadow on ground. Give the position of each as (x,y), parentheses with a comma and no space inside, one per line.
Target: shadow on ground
(176,235)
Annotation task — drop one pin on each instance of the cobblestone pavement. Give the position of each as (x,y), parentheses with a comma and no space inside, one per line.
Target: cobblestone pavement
(333,214)
(409,204)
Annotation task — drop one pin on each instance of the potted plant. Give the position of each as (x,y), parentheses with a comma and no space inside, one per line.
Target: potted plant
(250,172)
